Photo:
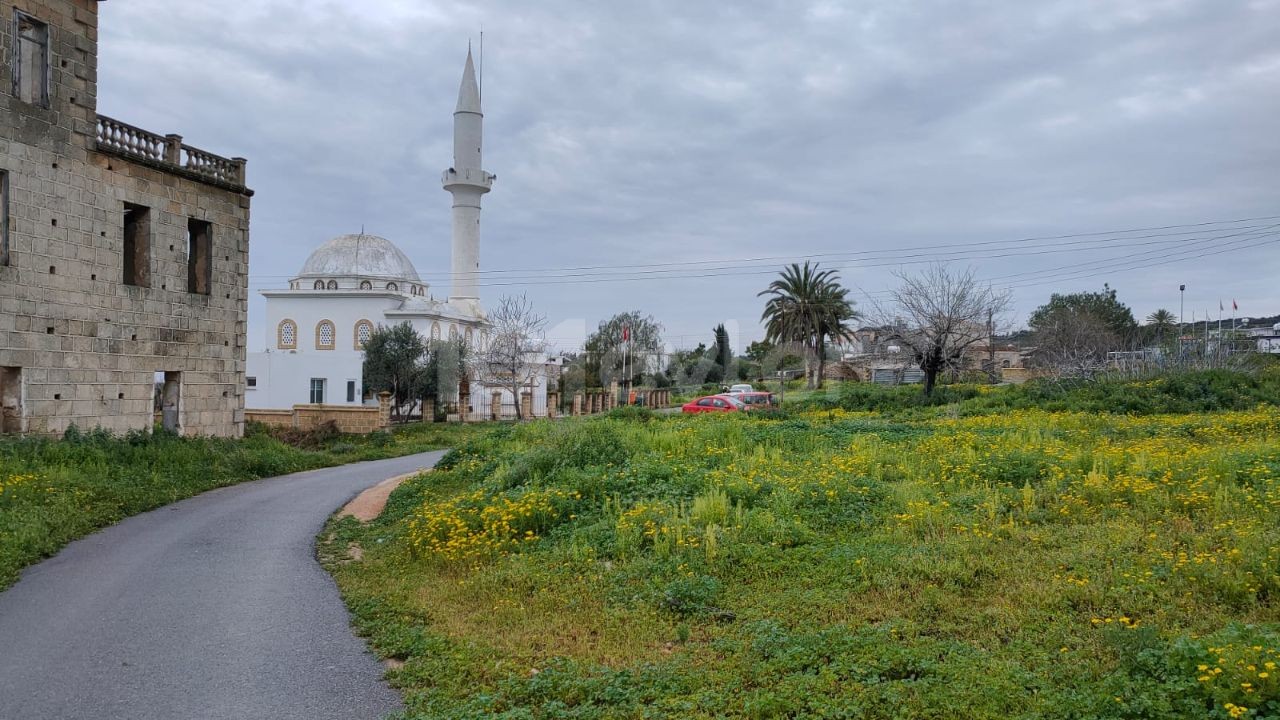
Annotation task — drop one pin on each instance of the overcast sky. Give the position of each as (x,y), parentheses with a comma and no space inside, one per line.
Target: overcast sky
(655,132)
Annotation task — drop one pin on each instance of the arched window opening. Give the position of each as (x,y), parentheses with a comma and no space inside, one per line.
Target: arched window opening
(318,286)
(435,331)
(324,335)
(287,335)
(366,285)
(392,287)
(364,329)
(333,285)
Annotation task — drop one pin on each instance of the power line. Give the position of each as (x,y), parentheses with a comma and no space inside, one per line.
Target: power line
(1161,246)
(952,247)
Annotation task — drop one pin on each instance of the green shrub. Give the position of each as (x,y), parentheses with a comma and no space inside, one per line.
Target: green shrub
(631,413)
(692,596)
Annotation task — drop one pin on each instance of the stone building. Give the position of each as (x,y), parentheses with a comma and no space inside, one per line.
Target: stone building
(123,253)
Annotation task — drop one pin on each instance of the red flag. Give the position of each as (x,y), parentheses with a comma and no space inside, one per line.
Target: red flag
(626,333)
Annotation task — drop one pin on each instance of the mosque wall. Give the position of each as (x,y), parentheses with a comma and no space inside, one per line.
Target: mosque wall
(123,253)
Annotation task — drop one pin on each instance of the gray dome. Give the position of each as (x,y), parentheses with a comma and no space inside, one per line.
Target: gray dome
(362,255)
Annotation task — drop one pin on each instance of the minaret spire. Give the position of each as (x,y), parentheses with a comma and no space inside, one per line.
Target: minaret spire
(469,91)
(467,182)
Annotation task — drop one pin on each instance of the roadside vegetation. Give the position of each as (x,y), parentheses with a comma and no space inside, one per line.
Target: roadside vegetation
(1048,551)
(54,491)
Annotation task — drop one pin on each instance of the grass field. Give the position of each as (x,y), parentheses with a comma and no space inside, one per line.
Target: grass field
(54,491)
(977,556)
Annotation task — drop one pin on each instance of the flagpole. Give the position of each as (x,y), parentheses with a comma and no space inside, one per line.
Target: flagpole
(1217,349)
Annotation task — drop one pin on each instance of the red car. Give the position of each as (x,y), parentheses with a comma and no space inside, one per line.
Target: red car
(757,400)
(714,403)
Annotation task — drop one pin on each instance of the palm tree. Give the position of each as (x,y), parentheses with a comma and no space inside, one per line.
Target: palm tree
(1160,321)
(807,305)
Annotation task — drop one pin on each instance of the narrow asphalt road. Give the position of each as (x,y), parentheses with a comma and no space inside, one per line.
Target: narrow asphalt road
(213,607)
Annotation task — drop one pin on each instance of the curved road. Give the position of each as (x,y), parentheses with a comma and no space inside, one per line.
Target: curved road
(213,607)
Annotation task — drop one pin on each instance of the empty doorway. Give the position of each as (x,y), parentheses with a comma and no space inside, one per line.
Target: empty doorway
(169,399)
(11,400)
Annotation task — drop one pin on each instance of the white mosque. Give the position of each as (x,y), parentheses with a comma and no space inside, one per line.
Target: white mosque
(316,329)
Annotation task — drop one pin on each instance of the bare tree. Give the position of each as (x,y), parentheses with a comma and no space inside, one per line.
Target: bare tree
(1073,344)
(938,313)
(511,358)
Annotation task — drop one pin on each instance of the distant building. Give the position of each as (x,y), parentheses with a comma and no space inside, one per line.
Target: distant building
(317,327)
(123,253)
(1268,342)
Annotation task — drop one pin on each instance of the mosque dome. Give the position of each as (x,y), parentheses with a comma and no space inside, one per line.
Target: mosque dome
(359,255)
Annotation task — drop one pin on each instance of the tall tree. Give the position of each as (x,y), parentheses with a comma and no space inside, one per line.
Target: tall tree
(605,348)
(723,353)
(938,313)
(807,305)
(1074,332)
(444,369)
(516,348)
(1160,323)
(394,362)
(1102,305)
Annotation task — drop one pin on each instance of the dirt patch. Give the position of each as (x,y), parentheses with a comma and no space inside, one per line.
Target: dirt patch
(370,503)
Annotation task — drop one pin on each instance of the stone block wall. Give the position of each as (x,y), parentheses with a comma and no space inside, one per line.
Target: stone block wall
(83,345)
(349,418)
(270,418)
(356,419)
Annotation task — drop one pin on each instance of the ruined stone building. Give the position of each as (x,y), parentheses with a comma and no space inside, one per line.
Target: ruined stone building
(123,253)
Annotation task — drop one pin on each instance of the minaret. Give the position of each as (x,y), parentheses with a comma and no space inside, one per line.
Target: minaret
(466,182)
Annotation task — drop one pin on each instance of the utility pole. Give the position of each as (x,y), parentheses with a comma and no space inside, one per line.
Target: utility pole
(991,344)
(1182,308)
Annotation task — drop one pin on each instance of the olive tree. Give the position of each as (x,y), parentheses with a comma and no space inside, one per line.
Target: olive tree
(937,313)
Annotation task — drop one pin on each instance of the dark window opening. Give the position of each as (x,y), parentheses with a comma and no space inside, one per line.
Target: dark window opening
(351,391)
(11,400)
(4,218)
(251,381)
(30,59)
(199,256)
(317,391)
(137,245)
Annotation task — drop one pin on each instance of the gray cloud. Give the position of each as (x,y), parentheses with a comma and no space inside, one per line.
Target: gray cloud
(663,131)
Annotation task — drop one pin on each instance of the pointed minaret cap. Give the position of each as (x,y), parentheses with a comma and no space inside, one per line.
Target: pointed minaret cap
(469,91)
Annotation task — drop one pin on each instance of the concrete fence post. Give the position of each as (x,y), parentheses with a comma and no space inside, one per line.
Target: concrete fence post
(495,405)
(384,409)
(577,403)
(526,404)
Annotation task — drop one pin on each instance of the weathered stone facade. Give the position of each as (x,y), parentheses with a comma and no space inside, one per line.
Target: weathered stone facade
(128,251)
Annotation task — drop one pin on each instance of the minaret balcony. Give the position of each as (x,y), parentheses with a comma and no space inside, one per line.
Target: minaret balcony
(470,177)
